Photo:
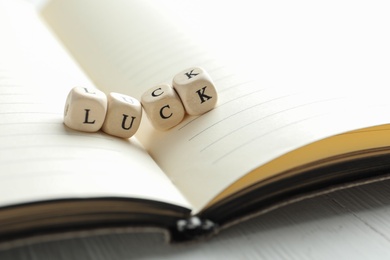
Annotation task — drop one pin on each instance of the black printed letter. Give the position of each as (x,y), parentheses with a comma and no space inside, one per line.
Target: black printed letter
(86,117)
(203,97)
(156,95)
(87,91)
(124,122)
(161,112)
(190,74)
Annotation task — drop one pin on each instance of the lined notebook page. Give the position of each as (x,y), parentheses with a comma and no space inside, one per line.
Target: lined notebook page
(41,159)
(286,76)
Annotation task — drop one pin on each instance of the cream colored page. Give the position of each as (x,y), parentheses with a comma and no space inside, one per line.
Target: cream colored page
(288,74)
(40,159)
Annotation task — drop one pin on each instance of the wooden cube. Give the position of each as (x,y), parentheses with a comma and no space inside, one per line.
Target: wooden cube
(85,109)
(163,107)
(123,115)
(196,90)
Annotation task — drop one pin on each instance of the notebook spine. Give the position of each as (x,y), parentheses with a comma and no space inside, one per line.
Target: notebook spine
(193,228)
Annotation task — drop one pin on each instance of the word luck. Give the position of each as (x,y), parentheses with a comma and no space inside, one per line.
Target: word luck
(90,110)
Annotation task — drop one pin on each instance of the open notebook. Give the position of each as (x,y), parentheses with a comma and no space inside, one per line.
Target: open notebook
(302,109)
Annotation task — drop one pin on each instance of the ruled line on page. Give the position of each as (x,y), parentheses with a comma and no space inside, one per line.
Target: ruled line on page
(78,146)
(235,85)
(59,160)
(235,149)
(241,96)
(31,112)
(228,101)
(45,173)
(262,118)
(225,103)
(31,123)
(156,68)
(21,103)
(217,68)
(86,136)
(240,112)
(102,170)
(160,53)
(165,70)
(120,51)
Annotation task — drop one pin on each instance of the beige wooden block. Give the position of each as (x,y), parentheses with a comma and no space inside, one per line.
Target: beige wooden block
(196,90)
(123,115)
(163,107)
(85,109)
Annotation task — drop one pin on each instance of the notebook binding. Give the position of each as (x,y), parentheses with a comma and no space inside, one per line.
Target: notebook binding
(194,227)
